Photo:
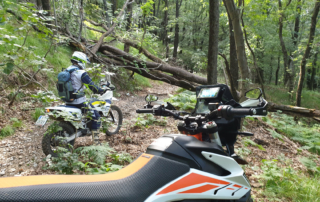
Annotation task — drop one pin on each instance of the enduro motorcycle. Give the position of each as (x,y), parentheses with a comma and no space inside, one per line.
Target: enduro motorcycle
(111,123)
(175,167)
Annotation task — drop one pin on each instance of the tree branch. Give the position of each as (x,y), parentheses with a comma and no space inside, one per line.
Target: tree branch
(97,46)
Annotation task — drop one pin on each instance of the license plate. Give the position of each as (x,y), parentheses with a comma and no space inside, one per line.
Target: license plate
(42,120)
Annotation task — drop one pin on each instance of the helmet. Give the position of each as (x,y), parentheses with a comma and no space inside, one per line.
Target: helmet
(80,58)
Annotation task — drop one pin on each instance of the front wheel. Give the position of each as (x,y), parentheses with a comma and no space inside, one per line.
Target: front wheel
(53,140)
(114,121)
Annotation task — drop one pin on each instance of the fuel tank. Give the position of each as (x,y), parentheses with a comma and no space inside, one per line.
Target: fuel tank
(187,150)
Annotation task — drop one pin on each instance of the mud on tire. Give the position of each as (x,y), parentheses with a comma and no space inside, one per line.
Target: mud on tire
(47,140)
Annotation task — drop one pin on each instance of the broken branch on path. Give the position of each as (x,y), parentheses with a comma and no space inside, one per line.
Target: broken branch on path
(295,111)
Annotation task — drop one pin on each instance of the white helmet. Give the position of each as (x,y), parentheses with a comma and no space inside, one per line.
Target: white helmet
(80,58)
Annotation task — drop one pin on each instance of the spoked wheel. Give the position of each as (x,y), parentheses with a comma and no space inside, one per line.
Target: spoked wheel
(114,121)
(51,141)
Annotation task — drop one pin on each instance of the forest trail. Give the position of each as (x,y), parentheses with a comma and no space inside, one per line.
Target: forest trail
(21,154)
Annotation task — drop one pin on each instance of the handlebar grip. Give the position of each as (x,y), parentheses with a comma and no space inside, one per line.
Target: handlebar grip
(241,111)
(144,111)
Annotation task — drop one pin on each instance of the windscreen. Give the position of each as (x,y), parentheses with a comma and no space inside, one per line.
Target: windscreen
(209,92)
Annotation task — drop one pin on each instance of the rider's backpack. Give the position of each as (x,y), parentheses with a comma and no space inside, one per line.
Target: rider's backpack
(65,88)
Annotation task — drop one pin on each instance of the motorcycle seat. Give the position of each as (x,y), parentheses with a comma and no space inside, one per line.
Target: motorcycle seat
(134,183)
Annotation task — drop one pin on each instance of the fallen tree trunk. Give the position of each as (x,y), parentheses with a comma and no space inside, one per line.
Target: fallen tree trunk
(295,111)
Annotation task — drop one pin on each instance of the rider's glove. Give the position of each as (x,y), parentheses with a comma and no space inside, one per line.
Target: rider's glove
(103,92)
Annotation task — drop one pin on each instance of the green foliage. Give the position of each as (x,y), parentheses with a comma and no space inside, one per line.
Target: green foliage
(308,134)
(247,142)
(147,8)
(6,131)
(186,100)
(148,119)
(91,160)
(310,164)
(285,184)
(45,97)
(16,123)
(37,112)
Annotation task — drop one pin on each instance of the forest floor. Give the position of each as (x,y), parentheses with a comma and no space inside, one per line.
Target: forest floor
(21,154)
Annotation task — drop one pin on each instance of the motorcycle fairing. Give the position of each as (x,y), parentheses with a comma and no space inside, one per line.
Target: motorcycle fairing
(73,110)
(134,183)
(197,184)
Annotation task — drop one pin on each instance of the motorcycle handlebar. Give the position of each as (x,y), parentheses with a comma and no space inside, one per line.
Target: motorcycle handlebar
(144,111)
(241,112)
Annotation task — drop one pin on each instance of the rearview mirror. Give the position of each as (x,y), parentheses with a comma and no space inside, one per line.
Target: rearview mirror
(253,93)
(151,98)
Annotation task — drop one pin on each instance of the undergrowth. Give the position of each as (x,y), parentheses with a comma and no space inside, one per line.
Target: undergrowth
(307,134)
(37,112)
(284,182)
(184,100)
(148,119)
(6,131)
(90,160)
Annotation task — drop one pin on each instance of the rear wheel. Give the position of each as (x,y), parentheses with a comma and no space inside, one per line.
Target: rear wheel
(51,141)
(114,121)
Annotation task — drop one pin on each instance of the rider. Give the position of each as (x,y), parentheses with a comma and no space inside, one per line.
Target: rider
(80,80)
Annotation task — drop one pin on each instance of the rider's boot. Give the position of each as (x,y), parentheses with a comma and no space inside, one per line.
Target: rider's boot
(95,137)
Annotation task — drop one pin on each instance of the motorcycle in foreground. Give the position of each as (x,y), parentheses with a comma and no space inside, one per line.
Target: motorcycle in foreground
(175,167)
(111,123)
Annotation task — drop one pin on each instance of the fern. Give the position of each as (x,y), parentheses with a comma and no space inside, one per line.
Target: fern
(248,142)
(275,134)
(96,154)
(310,164)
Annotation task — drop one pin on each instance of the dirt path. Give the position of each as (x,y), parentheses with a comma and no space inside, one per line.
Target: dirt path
(21,154)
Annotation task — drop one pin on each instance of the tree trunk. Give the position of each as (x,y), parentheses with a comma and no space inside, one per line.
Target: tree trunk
(39,4)
(307,52)
(176,34)
(105,5)
(46,6)
(283,46)
(313,74)
(234,68)
(128,25)
(165,33)
(114,6)
(277,72)
(241,54)
(295,41)
(270,76)
(212,72)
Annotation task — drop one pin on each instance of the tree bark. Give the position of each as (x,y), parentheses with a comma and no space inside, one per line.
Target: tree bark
(241,54)
(270,76)
(128,25)
(176,34)
(277,72)
(39,4)
(212,72)
(165,24)
(46,6)
(234,68)
(114,6)
(307,52)
(283,46)
(232,81)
